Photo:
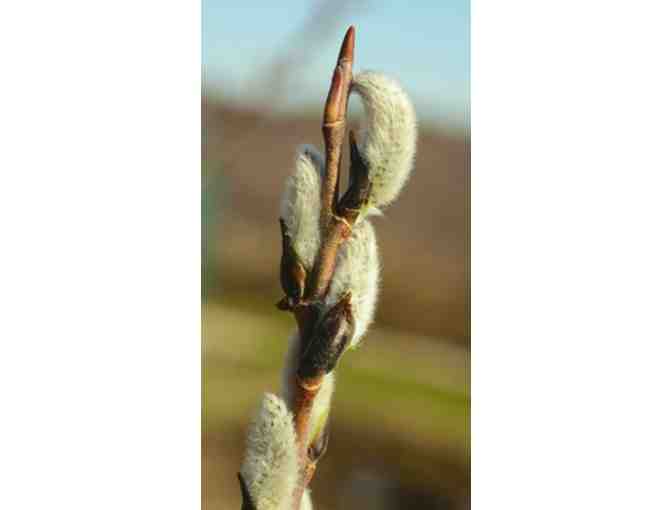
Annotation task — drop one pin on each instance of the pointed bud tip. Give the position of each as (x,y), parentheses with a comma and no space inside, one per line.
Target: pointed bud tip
(348,46)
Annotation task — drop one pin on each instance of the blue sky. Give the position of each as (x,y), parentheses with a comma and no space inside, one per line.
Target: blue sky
(423,44)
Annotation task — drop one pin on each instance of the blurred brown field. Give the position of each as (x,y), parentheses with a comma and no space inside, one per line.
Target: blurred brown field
(400,420)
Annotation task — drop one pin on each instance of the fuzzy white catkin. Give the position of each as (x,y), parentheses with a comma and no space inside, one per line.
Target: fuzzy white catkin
(322,401)
(300,206)
(270,467)
(388,137)
(357,271)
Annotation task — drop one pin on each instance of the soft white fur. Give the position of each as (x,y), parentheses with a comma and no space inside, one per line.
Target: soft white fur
(388,137)
(358,271)
(300,206)
(270,467)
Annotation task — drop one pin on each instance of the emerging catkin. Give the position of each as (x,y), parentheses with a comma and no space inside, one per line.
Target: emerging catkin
(388,136)
(300,206)
(358,271)
(270,467)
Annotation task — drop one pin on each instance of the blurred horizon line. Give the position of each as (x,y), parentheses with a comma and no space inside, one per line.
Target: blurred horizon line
(428,118)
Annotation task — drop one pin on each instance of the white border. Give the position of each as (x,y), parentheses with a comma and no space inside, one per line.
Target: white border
(100,257)
(571,255)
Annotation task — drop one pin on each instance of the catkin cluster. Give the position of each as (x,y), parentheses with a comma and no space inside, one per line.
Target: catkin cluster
(387,146)
(387,149)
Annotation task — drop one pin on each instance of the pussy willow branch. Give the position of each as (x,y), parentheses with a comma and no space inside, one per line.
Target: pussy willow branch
(335,229)
(337,215)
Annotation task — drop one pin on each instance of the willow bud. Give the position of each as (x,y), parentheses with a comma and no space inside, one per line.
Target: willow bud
(330,337)
(292,272)
(270,468)
(300,206)
(357,272)
(388,137)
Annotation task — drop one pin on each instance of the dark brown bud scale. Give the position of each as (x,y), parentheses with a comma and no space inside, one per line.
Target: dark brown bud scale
(329,340)
(292,273)
(359,186)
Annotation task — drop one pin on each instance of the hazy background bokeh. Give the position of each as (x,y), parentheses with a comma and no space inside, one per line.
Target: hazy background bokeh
(400,421)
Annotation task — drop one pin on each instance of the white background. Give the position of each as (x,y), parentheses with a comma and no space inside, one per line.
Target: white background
(100,255)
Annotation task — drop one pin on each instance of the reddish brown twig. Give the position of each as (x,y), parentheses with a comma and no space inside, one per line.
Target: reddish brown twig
(334,230)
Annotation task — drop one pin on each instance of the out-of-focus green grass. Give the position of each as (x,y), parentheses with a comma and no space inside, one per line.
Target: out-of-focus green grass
(401,405)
